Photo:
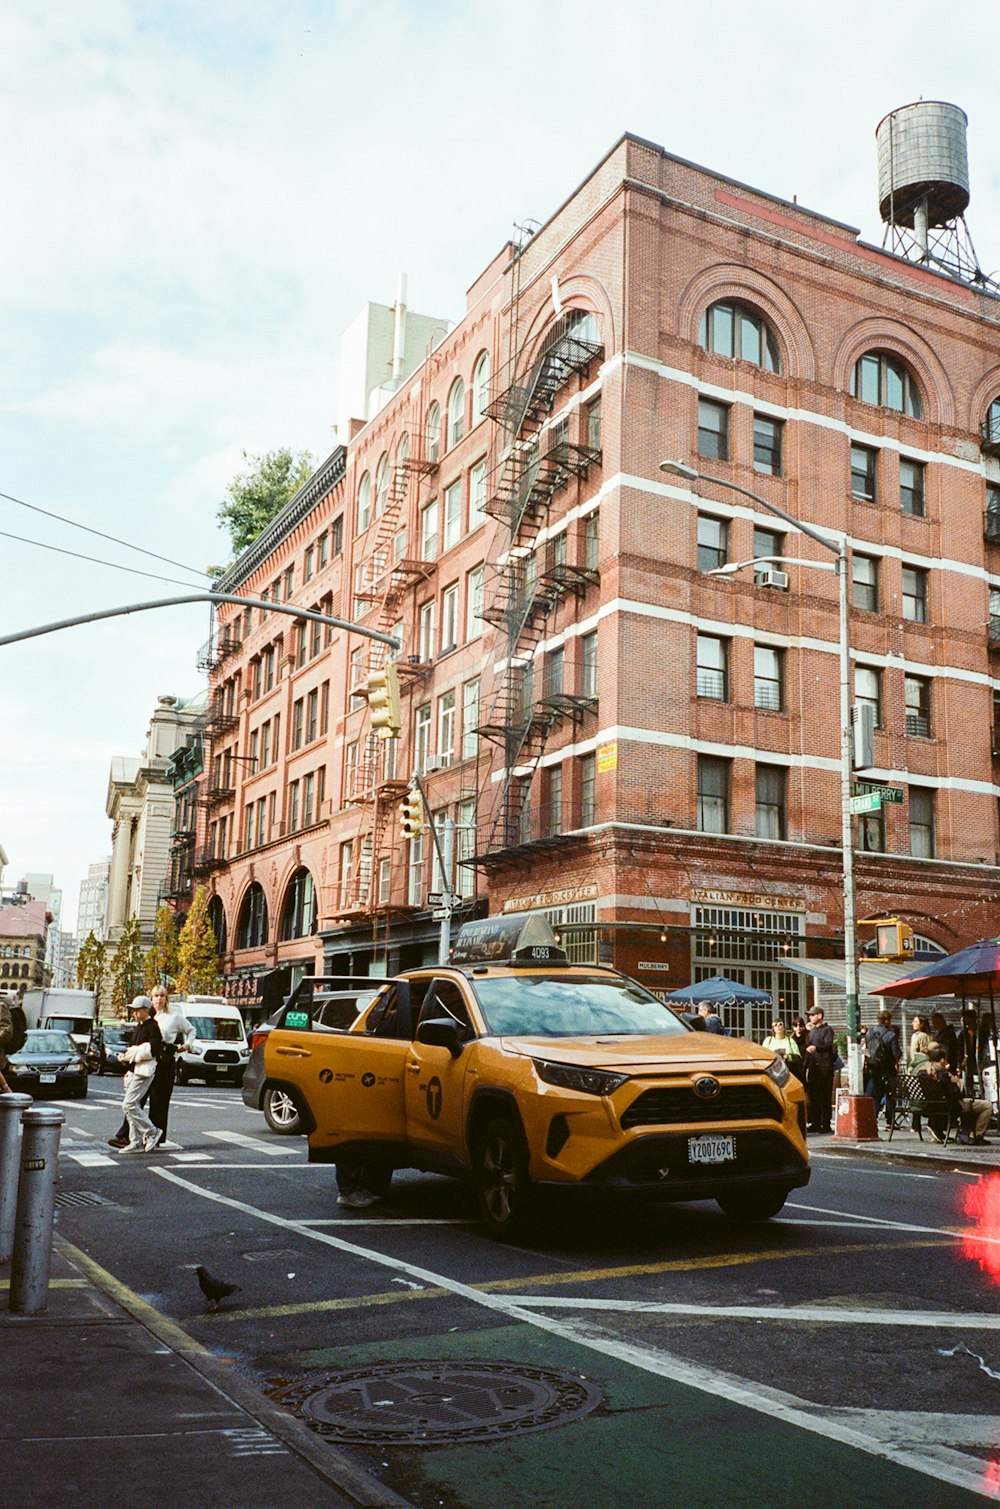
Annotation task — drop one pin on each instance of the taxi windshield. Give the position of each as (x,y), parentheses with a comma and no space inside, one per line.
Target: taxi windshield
(576,1006)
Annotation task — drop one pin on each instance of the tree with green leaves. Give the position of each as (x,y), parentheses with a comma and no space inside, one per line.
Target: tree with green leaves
(127,967)
(198,951)
(92,964)
(256,495)
(161,960)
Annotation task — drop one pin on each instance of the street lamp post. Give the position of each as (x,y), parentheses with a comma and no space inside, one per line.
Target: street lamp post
(838,547)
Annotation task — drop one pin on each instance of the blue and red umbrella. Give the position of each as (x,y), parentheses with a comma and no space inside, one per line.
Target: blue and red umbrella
(973,971)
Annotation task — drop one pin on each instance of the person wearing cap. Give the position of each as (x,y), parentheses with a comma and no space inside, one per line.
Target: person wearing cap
(177,1034)
(820,1053)
(141,1055)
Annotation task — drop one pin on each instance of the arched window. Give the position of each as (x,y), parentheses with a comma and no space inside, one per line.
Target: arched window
(403,450)
(217,922)
(434,432)
(881,378)
(251,930)
(298,915)
(364,502)
(456,414)
(381,484)
(991,425)
(480,387)
(734,329)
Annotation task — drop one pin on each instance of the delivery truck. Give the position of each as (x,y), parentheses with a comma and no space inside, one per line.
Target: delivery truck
(63,1010)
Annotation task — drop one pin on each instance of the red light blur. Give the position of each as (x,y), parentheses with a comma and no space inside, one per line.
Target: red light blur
(981,1245)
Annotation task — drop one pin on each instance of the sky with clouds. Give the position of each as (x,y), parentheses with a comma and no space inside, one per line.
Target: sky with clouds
(199,198)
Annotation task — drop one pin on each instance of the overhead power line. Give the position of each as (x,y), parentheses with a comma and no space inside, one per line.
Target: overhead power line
(100,534)
(96,560)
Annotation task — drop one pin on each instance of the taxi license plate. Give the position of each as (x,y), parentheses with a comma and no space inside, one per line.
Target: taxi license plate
(47,1079)
(708,1149)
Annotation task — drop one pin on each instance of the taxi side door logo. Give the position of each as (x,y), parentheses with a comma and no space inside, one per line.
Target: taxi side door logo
(368,1080)
(434,1098)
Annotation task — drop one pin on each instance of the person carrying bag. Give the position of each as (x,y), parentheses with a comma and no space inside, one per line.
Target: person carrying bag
(141,1056)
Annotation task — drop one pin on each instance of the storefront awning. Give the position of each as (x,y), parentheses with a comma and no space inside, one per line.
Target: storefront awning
(832,975)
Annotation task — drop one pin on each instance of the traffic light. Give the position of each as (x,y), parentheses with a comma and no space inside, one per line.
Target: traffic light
(411,817)
(893,939)
(383,702)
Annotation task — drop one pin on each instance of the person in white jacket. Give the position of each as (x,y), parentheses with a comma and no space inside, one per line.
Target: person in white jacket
(177,1034)
(141,1056)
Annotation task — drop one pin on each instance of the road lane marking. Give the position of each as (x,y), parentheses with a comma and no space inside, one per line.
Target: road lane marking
(807,1314)
(539,1280)
(875,1223)
(91,1160)
(255,1144)
(770,1402)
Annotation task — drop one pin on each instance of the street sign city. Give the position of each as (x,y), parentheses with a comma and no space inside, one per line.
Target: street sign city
(441,913)
(435,898)
(868,801)
(892,793)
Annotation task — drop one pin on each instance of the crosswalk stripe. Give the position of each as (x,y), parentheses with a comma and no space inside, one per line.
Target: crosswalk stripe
(256,1145)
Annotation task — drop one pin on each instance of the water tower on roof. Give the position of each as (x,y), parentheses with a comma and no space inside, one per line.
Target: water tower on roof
(923,187)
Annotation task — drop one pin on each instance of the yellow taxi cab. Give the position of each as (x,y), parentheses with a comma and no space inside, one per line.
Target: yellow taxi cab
(524,1072)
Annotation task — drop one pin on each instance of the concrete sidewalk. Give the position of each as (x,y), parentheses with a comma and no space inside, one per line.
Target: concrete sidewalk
(906,1145)
(105,1401)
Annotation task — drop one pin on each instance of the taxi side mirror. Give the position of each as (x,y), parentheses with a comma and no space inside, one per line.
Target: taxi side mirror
(441,1032)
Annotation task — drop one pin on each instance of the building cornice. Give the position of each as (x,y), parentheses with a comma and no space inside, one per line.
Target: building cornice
(299,504)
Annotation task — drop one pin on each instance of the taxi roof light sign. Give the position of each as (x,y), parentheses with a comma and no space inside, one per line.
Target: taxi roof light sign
(516,938)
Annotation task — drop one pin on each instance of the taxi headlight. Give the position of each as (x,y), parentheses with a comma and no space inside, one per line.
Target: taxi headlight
(569,1077)
(779,1071)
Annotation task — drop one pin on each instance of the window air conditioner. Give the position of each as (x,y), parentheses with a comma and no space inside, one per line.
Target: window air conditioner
(435,762)
(770,576)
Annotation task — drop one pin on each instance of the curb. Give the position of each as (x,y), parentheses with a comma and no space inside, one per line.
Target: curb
(326,1461)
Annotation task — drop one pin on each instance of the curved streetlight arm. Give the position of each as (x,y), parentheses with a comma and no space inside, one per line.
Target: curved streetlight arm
(394,643)
(691,474)
(766,560)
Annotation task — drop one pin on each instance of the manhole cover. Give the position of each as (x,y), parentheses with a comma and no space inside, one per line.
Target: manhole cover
(437,1403)
(80,1197)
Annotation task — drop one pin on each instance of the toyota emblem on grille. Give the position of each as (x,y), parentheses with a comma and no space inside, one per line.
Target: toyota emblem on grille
(707,1087)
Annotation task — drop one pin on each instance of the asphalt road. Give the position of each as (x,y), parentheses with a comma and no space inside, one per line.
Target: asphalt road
(847,1352)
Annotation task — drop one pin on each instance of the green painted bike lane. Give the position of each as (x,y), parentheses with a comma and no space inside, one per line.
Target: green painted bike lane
(652,1443)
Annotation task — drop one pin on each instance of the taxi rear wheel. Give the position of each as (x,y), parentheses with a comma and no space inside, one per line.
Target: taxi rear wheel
(503,1189)
(281,1113)
(753,1204)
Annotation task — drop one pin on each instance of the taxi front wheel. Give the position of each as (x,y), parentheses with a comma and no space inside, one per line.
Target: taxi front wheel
(753,1204)
(503,1189)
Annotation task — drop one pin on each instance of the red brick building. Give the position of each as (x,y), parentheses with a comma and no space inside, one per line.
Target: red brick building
(647,751)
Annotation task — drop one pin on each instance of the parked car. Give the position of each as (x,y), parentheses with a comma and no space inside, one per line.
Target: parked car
(330,1008)
(108,1040)
(48,1063)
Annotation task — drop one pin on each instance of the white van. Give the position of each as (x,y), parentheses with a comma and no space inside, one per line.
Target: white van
(220,1049)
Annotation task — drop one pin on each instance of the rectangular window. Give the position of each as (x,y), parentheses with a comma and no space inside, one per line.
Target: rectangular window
(713,430)
(415,873)
(918,706)
(452,516)
(345,867)
(429,531)
(384,886)
(307,563)
(591,541)
(592,419)
(252,751)
(767,543)
(868,689)
(553,816)
(324,708)
(337,536)
(771,818)
(261,822)
(322,550)
(293,807)
(767,678)
(588,790)
(265,745)
(248,826)
(712,667)
(713,794)
(315,635)
(422,736)
(864,582)
(921,822)
(470,719)
(588,664)
(465,847)
(915,594)
(308,800)
(477,495)
(767,445)
(312,716)
(911,487)
(713,542)
(268,661)
(474,603)
(302,645)
(449,617)
(425,632)
(863,473)
(298,722)
(276,723)
(351,770)
(446,727)
(554,683)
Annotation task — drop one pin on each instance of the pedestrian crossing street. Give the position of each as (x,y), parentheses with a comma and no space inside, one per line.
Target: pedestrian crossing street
(85,1143)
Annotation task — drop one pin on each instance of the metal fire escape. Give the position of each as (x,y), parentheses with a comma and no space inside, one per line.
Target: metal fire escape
(389,574)
(523,588)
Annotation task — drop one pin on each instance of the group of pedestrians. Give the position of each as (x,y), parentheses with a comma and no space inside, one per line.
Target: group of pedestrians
(161,1033)
(810,1051)
(946,1065)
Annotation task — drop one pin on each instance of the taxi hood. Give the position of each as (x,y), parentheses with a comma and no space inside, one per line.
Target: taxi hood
(637,1055)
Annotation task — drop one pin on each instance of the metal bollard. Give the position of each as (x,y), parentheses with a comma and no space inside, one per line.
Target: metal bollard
(11,1106)
(36,1192)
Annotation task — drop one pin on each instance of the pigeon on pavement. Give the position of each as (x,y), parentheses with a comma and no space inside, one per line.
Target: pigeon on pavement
(214,1289)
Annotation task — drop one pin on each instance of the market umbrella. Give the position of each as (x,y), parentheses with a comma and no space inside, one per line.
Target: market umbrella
(973,971)
(719,991)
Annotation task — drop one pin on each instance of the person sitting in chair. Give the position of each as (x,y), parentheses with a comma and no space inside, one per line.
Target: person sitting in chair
(939,1084)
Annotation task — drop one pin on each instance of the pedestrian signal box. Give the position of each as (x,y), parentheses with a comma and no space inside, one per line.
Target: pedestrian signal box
(893,939)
